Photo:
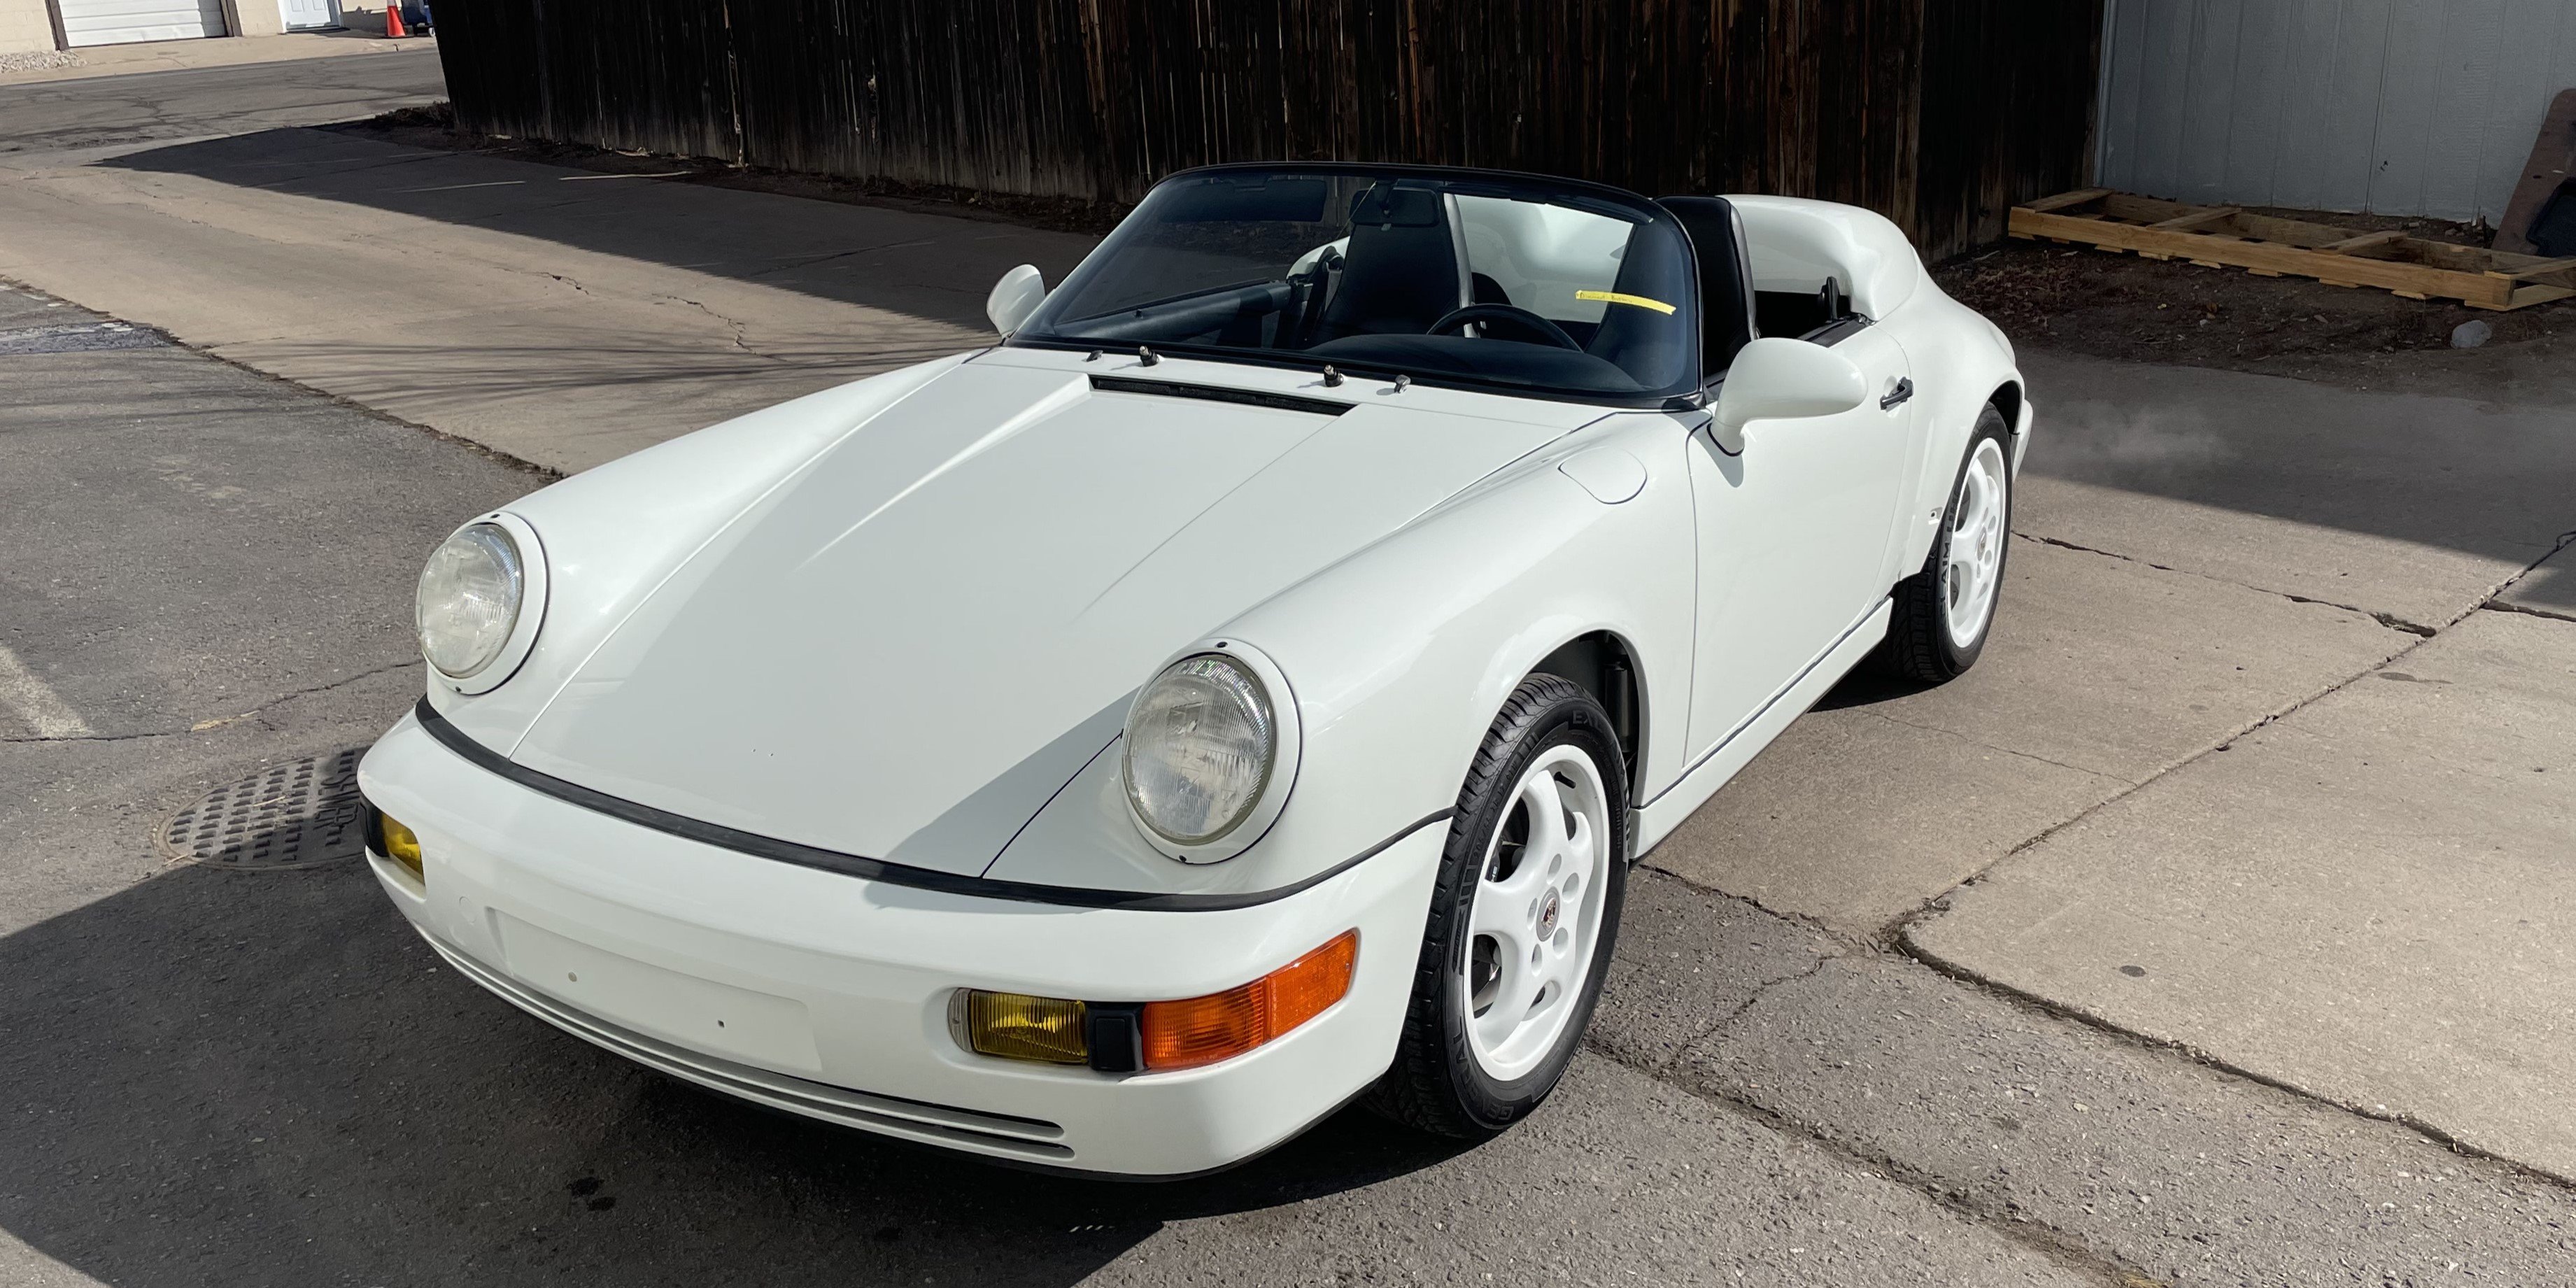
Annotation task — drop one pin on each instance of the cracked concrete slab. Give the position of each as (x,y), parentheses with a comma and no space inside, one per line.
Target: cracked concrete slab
(1853,820)
(521,306)
(1686,961)
(2121,669)
(1618,1178)
(2101,673)
(2189,1175)
(2411,505)
(2366,899)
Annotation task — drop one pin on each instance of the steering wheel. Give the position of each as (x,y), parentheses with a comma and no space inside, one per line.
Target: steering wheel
(1510,313)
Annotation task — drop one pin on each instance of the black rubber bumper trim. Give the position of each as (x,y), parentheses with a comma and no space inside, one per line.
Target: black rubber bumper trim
(809,856)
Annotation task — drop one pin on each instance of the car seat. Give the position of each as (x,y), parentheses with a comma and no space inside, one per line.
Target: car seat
(1651,345)
(1404,268)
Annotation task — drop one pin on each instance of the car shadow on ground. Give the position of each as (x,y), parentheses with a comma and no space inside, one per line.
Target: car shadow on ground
(291,1089)
(1868,684)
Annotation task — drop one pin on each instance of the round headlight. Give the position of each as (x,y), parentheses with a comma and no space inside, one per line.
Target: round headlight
(469,599)
(1201,741)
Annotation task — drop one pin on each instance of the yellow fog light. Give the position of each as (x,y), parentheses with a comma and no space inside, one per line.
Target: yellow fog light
(1016,1026)
(400,845)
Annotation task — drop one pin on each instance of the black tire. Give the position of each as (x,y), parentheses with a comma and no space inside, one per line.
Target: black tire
(1436,1083)
(1921,646)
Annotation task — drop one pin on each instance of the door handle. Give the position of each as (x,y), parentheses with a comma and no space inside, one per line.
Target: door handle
(1904,389)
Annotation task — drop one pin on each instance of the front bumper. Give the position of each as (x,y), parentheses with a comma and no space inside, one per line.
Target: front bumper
(827,995)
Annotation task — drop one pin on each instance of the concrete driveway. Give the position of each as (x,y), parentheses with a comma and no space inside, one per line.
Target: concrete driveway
(565,317)
(2211,931)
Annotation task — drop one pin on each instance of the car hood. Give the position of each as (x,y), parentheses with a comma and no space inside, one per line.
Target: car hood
(905,649)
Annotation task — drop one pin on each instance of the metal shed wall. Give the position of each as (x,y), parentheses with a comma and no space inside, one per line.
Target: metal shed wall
(1938,113)
(2397,107)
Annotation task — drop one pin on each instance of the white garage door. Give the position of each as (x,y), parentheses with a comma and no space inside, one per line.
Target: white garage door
(117,22)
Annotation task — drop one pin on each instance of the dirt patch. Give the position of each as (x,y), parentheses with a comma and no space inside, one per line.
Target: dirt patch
(2094,302)
(434,126)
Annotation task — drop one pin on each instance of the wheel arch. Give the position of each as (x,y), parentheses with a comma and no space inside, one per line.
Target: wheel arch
(1962,365)
(2007,400)
(1604,664)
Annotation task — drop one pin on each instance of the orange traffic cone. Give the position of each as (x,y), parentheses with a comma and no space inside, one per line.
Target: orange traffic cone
(393,18)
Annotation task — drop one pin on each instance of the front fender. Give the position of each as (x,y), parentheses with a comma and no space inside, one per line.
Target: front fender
(1400,655)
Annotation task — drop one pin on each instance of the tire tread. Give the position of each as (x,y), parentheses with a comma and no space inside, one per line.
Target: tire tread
(1416,1090)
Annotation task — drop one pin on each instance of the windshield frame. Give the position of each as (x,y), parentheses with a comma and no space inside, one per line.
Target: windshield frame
(1688,390)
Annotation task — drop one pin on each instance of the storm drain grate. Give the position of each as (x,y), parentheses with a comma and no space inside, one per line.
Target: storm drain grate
(299,814)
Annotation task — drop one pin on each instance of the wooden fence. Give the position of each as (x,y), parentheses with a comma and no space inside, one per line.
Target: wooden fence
(1939,113)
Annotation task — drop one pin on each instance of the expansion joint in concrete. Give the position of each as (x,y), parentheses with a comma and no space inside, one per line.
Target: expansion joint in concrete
(2528,610)
(2037,1004)
(2048,1241)
(2390,620)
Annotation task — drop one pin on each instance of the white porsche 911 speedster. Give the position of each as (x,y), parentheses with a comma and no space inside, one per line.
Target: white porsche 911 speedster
(1241,690)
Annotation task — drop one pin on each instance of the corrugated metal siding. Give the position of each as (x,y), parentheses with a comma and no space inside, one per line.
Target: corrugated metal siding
(2400,107)
(1940,113)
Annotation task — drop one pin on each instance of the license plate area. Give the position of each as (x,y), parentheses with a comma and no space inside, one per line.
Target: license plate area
(755,1028)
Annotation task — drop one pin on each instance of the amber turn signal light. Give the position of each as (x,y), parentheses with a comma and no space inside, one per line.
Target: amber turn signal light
(1221,1026)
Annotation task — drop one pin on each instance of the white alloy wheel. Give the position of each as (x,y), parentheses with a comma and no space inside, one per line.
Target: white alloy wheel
(1537,914)
(1976,546)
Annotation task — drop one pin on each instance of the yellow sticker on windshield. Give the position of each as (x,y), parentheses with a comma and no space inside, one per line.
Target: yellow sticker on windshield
(1616,297)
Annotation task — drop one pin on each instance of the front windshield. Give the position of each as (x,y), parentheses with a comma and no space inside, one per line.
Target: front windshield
(1521,286)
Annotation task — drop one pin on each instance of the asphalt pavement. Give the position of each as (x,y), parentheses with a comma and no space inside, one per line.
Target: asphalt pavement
(53,112)
(2208,933)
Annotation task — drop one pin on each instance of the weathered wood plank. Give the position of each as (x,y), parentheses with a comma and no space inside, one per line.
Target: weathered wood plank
(2204,248)
(2064,200)
(2200,218)
(2532,272)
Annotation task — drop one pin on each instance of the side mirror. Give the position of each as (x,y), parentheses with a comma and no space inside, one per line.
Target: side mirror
(1015,297)
(1775,377)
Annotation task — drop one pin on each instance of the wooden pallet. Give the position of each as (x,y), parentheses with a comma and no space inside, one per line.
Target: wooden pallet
(2224,236)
